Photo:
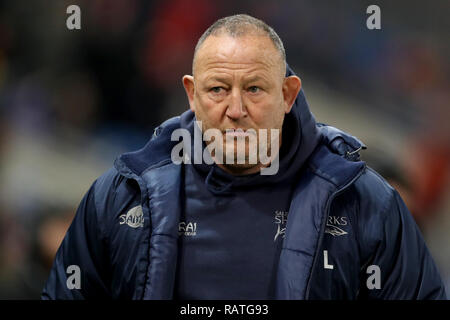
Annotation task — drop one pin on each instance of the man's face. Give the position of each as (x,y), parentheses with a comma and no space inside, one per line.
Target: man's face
(239,83)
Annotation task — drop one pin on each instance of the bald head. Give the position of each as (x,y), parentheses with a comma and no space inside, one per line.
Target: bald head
(240,26)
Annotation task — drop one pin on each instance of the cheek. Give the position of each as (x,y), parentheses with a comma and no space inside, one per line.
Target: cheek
(268,114)
(208,111)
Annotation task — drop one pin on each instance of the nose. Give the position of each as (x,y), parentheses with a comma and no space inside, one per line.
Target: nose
(236,108)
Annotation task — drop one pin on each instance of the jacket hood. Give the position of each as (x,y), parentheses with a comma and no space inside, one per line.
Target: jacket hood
(300,137)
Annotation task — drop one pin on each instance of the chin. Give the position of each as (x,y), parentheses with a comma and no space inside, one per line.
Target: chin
(241,169)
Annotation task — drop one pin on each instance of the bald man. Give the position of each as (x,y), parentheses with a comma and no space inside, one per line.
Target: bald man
(244,196)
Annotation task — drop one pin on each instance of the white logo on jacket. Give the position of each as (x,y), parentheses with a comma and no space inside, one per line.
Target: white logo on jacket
(280,221)
(335,224)
(187,228)
(134,217)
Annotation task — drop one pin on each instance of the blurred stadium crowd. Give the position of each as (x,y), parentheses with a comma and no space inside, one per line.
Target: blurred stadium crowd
(71,101)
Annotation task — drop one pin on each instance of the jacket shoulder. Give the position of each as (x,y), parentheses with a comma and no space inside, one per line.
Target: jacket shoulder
(113,191)
(374,192)
(375,198)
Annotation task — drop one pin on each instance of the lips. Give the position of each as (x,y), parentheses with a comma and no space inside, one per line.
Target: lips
(239,132)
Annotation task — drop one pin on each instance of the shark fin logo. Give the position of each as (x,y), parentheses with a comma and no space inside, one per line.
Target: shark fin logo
(334,231)
(335,226)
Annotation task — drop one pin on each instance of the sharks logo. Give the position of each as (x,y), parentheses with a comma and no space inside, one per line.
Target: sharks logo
(334,231)
(280,221)
(335,224)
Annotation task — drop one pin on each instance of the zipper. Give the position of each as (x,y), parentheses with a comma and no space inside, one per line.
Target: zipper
(322,228)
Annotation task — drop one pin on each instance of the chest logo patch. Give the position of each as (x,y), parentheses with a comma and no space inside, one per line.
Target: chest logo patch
(335,226)
(280,221)
(134,217)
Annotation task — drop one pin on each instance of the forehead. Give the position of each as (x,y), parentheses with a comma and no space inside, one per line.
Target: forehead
(255,52)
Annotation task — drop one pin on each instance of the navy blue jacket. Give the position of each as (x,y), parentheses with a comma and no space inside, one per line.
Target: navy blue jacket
(348,235)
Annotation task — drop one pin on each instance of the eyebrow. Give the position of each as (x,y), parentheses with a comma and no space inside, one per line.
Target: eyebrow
(253,78)
(219,79)
(247,79)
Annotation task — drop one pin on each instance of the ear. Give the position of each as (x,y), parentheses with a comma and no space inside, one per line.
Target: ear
(291,88)
(188,83)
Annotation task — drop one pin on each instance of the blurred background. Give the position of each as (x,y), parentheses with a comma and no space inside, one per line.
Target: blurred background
(71,101)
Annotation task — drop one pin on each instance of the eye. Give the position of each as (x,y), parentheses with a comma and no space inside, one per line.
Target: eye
(216,89)
(254,89)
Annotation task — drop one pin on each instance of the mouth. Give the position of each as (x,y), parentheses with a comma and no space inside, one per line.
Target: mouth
(239,132)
